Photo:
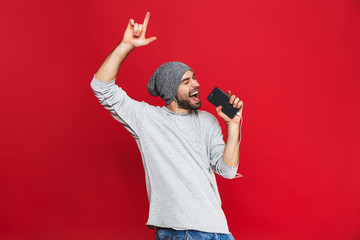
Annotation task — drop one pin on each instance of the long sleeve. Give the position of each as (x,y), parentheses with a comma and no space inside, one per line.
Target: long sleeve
(127,111)
(217,147)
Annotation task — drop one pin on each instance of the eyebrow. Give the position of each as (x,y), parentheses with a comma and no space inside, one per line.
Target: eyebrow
(187,78)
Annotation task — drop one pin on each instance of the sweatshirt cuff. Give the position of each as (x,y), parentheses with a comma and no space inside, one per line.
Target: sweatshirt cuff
(227,167)
(98,84)
(229,172)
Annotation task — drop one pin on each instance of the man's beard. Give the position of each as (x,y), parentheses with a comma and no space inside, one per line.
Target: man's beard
(186,104)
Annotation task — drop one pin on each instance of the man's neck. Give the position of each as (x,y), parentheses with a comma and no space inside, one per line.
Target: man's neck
(172,107)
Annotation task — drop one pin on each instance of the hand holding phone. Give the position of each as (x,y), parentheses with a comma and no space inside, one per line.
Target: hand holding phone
(219,98)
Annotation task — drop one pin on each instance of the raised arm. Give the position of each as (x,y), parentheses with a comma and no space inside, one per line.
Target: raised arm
(232,148)
(134,36)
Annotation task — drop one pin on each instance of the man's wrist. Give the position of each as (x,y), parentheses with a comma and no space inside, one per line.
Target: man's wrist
(126,45)
(232,129)
(232,125)
(122,50)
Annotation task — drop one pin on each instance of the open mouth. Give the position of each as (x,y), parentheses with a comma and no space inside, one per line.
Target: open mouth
(195,96)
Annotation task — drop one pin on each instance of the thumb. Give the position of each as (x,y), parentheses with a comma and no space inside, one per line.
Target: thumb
(150,40)
(218,109)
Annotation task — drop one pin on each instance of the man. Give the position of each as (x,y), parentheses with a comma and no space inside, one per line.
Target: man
(181,146)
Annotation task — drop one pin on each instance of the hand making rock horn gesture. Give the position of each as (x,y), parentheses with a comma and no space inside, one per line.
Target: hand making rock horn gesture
(135,33)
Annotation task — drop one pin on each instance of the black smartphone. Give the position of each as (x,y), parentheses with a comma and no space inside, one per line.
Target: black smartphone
(217,97)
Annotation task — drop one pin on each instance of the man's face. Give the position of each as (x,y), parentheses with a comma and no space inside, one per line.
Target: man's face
(188,92)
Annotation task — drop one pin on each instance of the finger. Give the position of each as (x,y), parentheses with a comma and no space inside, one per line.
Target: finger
(150,40)
(135,28)
(236,102)
(221,114)
(146,21)
(232,98)
(131,24)
(240,104)
(218,110)
(139,30)
(229,93)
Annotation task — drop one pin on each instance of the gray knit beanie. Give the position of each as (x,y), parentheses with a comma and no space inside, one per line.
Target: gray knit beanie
(166,80)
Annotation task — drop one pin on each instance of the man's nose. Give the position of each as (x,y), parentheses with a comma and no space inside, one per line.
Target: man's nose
(195,83)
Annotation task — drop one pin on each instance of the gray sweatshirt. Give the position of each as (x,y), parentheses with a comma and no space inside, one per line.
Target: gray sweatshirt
(180,153)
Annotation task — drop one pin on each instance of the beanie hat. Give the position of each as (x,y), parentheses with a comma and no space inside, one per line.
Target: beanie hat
(166,80)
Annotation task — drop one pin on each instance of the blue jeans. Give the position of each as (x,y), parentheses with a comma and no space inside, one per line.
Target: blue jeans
(171,234)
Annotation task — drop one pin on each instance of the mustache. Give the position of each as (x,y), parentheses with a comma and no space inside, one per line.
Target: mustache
(194,90)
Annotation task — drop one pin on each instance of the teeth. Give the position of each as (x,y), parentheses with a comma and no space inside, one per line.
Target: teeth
(194,93)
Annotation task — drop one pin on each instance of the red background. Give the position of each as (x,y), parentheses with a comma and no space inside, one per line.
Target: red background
(70,171)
